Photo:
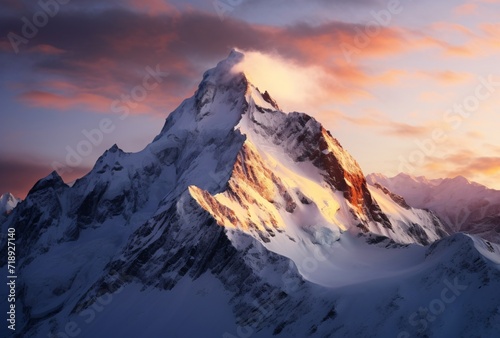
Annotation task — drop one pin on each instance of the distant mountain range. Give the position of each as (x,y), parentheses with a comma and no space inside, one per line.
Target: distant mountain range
(462,205)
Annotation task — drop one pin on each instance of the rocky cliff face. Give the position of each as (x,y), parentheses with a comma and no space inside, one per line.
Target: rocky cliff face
(263,206)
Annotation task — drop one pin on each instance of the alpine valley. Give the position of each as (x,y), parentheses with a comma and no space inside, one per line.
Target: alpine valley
(240,220)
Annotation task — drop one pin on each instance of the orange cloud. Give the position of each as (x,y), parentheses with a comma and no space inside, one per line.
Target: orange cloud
(385,125)
(465,9)
(45,99)
(452,27)
(399,129)
(391,77)
(65,95)
(430,96)
(447,76)
(488,1)
(447,48)
(492,32)
(475,135)
(152,7)
(108,62)
(46,49)
(481,166)
(463,162)
(473,44)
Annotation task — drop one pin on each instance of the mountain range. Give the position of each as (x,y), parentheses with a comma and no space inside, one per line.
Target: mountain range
(463,206)
(241,220)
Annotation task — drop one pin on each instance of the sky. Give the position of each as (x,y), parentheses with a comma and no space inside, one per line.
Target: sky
(404,85)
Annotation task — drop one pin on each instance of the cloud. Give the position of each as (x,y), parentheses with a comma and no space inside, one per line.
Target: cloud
(400,129)
(465,9)
(447,76)
(482,41)
(478,166)
(487,43)
(292,84)
(447,49)
(104,53)
(152,7)
(384,125)
(465,162)
(452,27)
(45,99)
(484,170)
(46,49)
(433,96)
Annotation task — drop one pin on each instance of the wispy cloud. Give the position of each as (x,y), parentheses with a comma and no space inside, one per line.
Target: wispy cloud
(447,76)
(465,9)
(383,124)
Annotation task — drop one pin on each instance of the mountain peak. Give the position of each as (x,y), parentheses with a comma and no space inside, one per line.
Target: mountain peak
(223,72)
(51,180)
(223,96)
(6,197)
(8,202)
(114,148)
(236,55)
(409,177)
(459,180)
(267,97)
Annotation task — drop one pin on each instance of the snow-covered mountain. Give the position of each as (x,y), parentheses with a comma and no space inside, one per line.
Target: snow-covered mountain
(462,205)
(7,203)
(239,220)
